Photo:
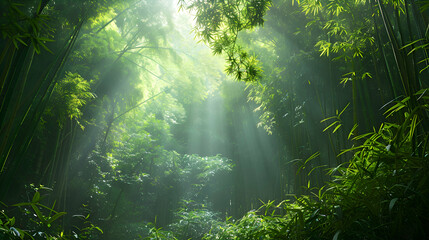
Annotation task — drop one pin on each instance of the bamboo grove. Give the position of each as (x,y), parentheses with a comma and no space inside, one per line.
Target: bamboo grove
(298,119)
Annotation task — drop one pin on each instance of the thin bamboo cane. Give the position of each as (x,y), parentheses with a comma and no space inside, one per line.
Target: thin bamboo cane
(21,139)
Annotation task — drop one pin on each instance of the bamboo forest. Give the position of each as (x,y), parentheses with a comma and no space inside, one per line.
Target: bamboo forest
(214,119)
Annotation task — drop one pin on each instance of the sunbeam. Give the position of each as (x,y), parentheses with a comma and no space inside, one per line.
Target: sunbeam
(214,119)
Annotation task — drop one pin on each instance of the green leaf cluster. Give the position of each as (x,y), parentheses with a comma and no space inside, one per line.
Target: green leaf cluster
(218,24)
(381,193)
(22,29)
(68,98)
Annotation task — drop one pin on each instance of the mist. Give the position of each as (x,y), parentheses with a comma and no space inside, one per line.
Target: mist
(186,119)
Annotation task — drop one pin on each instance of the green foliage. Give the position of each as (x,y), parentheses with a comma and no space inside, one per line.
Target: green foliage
(140,178)
(381,193)
(218,24)
(7,229)
(337,120)
(20,28)
(68,98)
(158,234)
(39,221)
(129,166)
(346,37)
(193,221)
(88,231)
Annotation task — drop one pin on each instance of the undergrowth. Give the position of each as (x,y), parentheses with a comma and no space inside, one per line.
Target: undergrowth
(381,193)
(35,220)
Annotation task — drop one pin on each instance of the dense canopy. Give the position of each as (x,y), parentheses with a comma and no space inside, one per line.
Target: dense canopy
(214,119)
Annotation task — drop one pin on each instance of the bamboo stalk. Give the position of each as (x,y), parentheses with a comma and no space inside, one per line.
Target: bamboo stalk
(398,55)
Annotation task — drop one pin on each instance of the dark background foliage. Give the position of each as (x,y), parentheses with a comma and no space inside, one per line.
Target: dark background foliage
(307,120)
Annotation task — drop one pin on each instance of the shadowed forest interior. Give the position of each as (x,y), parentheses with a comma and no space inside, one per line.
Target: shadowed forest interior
(214,119)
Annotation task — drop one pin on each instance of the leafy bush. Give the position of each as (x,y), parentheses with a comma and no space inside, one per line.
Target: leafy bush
(38,221)
(158,233)
(193,220)
(381,193)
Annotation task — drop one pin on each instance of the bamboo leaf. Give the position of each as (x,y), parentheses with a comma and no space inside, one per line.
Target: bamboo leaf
(99,229)
(15,43)
(413,127)
(336,128)
(424,67)
(21,41)
(38,213)
(46,207)
(352,131)
(21,204)
(392,204)
(36,197)
(39,6)
(315,169)
(45,39)
(395,108)
(362,136)
(332,124)
(316,154)
(337,234)
(55,217)
(321,192)
(44,46)
(326,119)
(350,149)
